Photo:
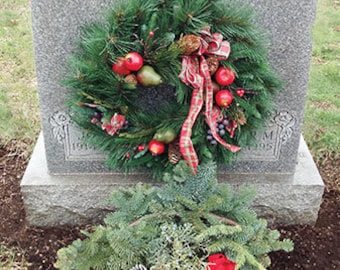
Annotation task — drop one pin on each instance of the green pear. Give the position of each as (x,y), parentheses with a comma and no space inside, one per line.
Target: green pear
(147,76)
(165,135)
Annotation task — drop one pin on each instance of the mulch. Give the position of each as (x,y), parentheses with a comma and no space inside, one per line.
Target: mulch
(316,247)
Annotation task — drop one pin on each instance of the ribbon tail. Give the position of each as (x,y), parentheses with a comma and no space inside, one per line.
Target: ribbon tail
(187,150)
(186,147)
(230,147)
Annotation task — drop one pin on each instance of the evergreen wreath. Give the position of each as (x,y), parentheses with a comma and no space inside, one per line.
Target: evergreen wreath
(161,81)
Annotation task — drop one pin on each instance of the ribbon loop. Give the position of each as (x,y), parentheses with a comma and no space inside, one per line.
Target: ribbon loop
(190,72)
(116,122)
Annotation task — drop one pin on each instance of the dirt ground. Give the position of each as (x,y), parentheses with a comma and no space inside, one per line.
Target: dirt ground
(316,247)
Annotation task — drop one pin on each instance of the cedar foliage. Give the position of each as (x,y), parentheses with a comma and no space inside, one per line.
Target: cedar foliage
(126,28)
(176,227)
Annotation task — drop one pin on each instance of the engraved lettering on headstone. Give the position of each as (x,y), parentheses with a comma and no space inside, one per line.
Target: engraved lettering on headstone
(268,144)
(66,133)
(267,147)
(77,149)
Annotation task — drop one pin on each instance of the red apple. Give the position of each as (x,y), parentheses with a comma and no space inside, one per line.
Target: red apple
(225,76)
(133,61)
(224,98)
(119,68)
(156,147)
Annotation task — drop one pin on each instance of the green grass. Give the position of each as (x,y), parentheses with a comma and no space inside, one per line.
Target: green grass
(19,113)
(321,127)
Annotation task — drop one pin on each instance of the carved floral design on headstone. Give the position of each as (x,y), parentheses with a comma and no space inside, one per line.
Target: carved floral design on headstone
(286,122)
(59,121)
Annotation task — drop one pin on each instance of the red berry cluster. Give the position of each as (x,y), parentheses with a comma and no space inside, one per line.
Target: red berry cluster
(140,150)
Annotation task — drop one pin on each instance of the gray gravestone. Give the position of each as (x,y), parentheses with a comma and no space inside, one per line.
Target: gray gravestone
(66,179)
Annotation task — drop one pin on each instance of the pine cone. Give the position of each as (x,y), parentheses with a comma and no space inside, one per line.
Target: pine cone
(139,267)
(174,152)
(213,64)
(131,79)
(190,43)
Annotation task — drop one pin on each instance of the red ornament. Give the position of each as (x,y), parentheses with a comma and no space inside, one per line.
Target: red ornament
(224,76)
(220,262)
(156,148)
(119,67)
(240,92)
(151,33)
(133,61)
(127,155)
(224,98)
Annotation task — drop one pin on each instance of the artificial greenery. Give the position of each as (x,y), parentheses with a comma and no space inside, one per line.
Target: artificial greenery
(176,226)
(126,28)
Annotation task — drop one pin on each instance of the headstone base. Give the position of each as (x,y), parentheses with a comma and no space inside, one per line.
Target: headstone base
(53,200)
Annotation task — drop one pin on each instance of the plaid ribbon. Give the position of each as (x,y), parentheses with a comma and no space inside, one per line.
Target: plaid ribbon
(195,72)
(117,122)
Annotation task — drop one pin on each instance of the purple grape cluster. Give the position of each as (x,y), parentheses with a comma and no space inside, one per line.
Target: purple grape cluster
(220,129)
(96,117)
(126,124)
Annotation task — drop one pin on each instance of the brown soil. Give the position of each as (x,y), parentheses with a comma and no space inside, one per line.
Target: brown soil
(316,247)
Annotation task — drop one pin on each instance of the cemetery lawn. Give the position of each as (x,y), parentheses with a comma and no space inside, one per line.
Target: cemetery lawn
(26,247)
(321,127)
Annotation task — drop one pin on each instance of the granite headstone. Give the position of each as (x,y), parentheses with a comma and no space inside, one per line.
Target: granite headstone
(66,163)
